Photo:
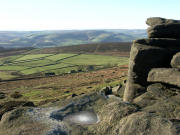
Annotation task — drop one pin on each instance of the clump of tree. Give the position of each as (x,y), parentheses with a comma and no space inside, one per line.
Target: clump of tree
(16,94)
(82,68)
(90,68)
(109,65)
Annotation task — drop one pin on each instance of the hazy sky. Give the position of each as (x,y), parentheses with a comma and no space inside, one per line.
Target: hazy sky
(83,14)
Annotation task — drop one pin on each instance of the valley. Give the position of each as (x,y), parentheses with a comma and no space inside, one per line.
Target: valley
(47,75)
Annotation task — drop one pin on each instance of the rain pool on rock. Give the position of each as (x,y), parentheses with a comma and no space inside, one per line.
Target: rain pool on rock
(83,117)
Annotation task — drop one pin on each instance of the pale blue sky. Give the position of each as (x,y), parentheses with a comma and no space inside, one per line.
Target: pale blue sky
(83,14)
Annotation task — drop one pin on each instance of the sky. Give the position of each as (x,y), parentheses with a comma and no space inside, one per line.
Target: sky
(23,15)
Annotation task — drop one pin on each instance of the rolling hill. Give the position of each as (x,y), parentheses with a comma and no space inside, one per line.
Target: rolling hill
(44,39)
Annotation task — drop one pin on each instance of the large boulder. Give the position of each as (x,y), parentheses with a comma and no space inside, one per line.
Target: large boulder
(170,30)
(2,95)
(10,105)
(110,115)
(166,43)
(154,93)
(118,90)
(143,58)
(175,62)
(145,55)
(160,99)
(142,123)
(18,122)
(165,75)
(106,91)
(158,20)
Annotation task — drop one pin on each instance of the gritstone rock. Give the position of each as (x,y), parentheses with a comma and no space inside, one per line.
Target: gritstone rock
(143,58)
(175,62)
(171,30)
(165,75)
(158,20)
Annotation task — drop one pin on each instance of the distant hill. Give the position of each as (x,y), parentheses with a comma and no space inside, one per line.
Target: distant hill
(104,48)
(44,39)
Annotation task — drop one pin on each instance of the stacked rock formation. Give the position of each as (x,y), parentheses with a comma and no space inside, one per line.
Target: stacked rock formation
(155,59)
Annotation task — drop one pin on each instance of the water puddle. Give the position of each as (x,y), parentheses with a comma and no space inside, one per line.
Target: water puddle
(83,118)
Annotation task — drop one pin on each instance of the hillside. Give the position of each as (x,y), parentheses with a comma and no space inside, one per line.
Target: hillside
(44,39)
(32,62)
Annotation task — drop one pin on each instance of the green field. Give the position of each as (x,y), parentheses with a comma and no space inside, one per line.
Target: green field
(33,64)
(6,75)
(32,57)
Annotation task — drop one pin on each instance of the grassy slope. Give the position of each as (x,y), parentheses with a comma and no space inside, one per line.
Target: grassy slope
(96,60)
(44,90)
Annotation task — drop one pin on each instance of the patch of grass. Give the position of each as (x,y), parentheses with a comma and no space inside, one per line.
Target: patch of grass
(46,90)
(100,37)
(45,68)
(59,56)
(32,56)
(12,68)
(6,75)
(35,63)
(97,60)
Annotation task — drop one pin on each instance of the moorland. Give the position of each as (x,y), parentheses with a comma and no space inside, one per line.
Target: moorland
(43,75)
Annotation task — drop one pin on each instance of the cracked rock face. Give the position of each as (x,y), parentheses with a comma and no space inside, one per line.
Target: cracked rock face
(170,30)
(158,21)
(165,75)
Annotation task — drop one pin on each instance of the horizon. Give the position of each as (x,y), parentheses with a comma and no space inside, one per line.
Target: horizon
(47,15)
(65,30)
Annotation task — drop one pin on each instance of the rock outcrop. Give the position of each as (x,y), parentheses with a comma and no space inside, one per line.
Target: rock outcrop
(158,21)
(154,67)
(165,75)
(163,28)
(155,52)
(175,62)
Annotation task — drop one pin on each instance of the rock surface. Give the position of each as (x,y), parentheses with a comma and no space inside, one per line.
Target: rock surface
(175,62)
(10,105)
(55,121)
(170,30)
(106,91)
(142,59)
(158,20)
(147,54)
(118,90)
(2,95)
(161,100)
(142,123)
(165,75)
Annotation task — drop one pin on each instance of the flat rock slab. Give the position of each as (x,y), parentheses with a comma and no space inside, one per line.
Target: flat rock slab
(158,20)
(175,62)
(171,30)
(165,75)
(167,43)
